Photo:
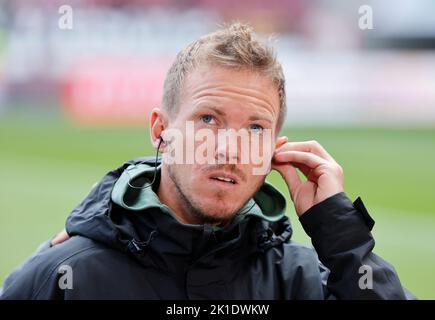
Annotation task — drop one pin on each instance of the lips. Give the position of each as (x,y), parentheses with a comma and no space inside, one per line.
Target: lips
(225,177)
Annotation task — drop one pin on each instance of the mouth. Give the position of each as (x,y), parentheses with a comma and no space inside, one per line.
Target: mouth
(224,178)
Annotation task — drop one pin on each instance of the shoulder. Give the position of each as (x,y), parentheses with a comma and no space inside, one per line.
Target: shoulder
(37,278)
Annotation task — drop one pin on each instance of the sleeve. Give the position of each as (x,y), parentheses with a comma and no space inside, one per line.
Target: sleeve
(340,232)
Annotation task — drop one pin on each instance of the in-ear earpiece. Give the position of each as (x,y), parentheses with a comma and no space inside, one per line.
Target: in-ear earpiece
(161,141)
(155,170)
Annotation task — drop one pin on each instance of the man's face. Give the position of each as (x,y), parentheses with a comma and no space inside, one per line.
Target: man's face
(219,99)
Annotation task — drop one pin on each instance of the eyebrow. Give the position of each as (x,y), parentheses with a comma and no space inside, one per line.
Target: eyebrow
(251,118)
(259,117)
(217,110)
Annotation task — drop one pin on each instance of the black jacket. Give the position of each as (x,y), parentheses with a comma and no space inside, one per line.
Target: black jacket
(125,247)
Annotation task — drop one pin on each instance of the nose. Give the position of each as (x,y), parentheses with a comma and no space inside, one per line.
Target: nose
(227,147)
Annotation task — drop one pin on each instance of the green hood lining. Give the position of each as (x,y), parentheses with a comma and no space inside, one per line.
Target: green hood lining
(268,203)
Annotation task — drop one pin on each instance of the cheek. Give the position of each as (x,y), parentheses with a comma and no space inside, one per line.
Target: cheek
(267,148)
(257,180)
(194,178)
(185,175)
(254,181)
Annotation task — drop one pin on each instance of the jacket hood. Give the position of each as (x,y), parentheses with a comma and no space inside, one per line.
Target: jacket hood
(132,191)
(120,213)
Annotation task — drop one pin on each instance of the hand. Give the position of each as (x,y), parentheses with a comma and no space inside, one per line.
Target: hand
(324,175)
(59,238)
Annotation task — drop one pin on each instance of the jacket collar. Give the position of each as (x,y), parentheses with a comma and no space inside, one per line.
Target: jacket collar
(136,222)
(131,193)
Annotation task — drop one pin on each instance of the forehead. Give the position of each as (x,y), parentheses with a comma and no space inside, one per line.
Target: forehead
(212,82)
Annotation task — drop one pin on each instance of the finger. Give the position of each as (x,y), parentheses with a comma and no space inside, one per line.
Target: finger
(280,142)
(303,168)
(309,159)
(307,146)
(309,174)
(291,177)
(59,238)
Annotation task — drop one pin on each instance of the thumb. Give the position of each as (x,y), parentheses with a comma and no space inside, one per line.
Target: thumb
(290,176)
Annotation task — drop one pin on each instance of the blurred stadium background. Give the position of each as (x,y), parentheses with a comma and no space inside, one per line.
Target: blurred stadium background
(74,104)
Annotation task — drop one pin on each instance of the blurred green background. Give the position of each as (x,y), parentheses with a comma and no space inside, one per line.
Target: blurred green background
(48,165)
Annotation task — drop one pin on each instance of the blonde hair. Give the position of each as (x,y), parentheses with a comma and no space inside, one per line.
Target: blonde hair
(234,46)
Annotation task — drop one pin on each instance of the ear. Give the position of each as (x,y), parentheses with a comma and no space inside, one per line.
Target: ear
(158,123)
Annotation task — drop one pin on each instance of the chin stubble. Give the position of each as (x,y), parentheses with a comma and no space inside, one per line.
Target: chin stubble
(194,208)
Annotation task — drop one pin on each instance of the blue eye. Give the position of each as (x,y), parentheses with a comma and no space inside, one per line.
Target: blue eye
(255,128)
(207,119)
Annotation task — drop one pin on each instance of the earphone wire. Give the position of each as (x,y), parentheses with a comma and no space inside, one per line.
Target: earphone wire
(155,171)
